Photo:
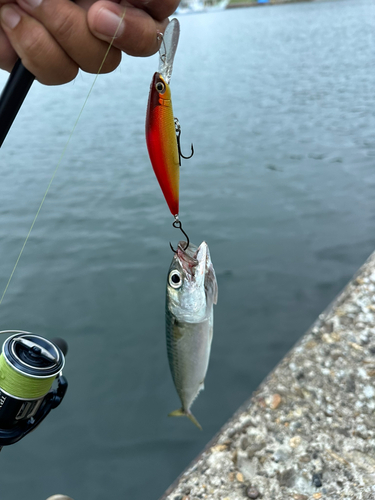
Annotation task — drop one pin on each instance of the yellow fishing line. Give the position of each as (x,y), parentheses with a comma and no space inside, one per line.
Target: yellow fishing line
(22,386)
(61,158)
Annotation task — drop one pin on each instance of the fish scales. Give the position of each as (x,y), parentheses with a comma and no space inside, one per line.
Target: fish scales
(188,355)
(191,293)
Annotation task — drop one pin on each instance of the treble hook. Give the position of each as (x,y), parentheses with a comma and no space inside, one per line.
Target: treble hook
(178,133)
(178,225)
(162,56)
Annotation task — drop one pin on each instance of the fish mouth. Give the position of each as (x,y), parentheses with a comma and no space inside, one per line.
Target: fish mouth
(192,258)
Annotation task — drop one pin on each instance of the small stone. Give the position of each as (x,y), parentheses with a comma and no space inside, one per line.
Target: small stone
(231,476)
(239,477)
(275,401)
(253,448)
(311,344)
(304,459)
(244,443)
(299,496)
(335,337)
(219,447)
(252,492)
(368,391)
(355,346)
(280,456)
(262,403)
(317,479)
(178,497)
(350,384)
(286,478)
(300,375)
(317,496)
(327,338)
(295,441)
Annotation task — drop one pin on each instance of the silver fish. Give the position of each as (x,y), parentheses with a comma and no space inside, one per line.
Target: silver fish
(191,294)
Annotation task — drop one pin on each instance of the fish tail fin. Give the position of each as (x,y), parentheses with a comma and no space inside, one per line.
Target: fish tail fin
(191,417)
(182,413)
(177,413)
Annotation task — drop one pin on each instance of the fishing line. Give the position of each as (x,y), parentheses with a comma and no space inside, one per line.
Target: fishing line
(21,386)
(61,158)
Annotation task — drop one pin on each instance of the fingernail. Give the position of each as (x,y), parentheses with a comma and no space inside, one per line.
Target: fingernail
(32,3)
(108,23)
(10,17)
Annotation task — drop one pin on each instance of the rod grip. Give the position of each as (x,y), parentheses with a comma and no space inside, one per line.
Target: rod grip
(12,97)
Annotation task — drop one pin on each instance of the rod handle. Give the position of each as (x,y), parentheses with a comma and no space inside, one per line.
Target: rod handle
(12,97)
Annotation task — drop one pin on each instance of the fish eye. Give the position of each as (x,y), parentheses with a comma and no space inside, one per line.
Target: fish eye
(160,87)
(175,279)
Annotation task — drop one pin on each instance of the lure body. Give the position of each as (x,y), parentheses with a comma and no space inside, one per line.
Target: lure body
(162,142)
(191,294)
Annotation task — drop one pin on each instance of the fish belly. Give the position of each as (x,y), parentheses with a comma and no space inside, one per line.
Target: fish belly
(188,346)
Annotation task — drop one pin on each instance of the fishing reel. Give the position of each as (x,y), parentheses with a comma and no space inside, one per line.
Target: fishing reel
(29,365)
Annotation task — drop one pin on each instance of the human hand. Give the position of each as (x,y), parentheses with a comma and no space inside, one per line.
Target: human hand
(54,38)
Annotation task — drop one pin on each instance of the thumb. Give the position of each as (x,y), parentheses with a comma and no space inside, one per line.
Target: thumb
(134,30)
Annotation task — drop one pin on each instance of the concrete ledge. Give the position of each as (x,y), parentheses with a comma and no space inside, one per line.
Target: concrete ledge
(308,432)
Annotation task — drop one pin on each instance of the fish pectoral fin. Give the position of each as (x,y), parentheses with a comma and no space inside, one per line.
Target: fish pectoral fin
(182,413)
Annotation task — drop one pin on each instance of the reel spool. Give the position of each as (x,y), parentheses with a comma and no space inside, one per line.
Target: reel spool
(29,364)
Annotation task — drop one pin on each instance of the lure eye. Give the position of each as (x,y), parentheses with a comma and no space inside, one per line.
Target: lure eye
(160,87)
(175,279)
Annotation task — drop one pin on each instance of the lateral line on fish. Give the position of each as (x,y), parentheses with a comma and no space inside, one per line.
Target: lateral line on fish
(60,159)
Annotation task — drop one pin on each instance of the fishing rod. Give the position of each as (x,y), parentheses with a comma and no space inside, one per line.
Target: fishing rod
(29,364)
(12,96)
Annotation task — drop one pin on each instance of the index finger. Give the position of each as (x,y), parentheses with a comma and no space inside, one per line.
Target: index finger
(67,24)
(158,9)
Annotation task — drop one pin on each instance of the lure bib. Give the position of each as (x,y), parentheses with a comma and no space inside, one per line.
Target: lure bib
(162,141)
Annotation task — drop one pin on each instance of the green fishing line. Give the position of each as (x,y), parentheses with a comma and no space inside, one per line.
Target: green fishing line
(22,386)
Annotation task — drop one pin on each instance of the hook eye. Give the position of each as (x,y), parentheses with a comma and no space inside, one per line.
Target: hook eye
(162,52)
(178,225)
